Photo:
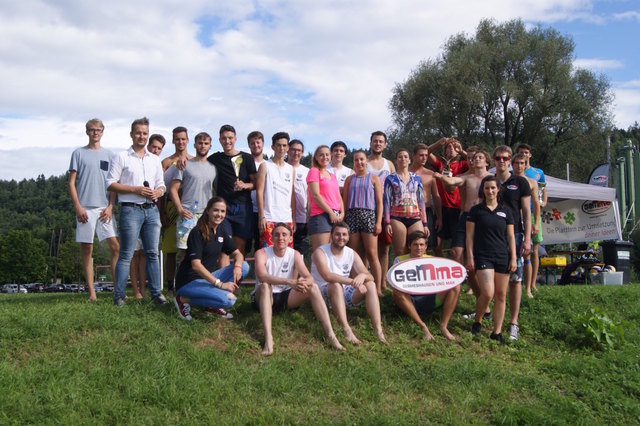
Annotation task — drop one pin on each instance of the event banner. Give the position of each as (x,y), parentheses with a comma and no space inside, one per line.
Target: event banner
(572,221)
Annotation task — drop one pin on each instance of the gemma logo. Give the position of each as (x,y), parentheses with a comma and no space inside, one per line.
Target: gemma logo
(426,275)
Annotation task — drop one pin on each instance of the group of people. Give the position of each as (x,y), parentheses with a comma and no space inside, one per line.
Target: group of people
(211,210)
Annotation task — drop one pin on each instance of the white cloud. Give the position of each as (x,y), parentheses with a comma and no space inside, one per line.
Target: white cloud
(626,106)
(598,64)
(629,15)
(320,70)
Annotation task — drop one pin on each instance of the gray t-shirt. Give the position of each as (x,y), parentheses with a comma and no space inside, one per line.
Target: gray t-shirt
(91,166)
(197,183)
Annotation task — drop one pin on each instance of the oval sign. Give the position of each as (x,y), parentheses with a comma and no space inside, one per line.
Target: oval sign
(426,275)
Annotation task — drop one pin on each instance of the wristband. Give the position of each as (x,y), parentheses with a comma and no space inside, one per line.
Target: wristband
(217,283)
(237,266)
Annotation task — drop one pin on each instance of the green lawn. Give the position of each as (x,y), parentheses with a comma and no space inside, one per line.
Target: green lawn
(66,361)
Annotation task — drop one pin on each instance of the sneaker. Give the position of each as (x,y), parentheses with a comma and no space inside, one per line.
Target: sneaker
(472,315)
(220,312)
(119,302)
(160,300)
(497,337)
(514,331)
(476,328)
(184,310)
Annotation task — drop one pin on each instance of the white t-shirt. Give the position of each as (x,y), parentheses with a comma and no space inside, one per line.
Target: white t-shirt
(281,267)
(300,189)
(338,265)
(341,174)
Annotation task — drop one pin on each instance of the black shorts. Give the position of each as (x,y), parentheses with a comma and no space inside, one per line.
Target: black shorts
(425,304)
(407,222)
(500,265)
(459,237)
(450,218)
(279,301)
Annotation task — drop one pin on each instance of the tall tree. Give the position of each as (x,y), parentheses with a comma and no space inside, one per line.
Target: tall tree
(22,257)
(508,85)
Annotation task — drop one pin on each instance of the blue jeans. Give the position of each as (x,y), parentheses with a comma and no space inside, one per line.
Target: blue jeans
(143,223)
(201,293)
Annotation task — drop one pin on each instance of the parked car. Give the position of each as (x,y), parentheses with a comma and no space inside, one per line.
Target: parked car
(107,287)
(98,288)
(71,288)
(54,288)
(10,288)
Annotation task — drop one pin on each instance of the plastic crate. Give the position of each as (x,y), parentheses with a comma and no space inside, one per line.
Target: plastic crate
(547,262)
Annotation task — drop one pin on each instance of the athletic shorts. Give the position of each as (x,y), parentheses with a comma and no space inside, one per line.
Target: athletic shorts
(319,224)
(517,275)
(360,220)
(280,301)
(265,236)
(168,233)
(407,222)
(86,231)
(459,238)
(181,242)
(500,265)
(450,218)
(537,238)
(426,304)
(347,290)
(240,217)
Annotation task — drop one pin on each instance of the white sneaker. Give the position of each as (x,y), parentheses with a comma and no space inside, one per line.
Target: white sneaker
(514,331)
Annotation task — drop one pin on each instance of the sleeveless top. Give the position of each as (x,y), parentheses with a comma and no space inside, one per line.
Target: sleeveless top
(361,193)
(281,267)
(278,189)
(381,173)
(338,265)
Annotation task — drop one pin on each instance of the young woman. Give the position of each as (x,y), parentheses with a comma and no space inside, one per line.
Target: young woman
(404,210)
(491,253)
(196,284)
(325,204)
(362,194)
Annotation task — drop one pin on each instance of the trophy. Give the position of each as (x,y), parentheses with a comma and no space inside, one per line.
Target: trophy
(237,162)
(541,186)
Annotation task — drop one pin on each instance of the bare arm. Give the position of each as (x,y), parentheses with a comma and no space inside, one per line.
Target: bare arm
(536,206)
(525,203)
(320,260)
(199,268)
(81,213)
(175,198)
(377,191)
(511,239)
(262,274)
(471,229)
(437,204)
(260,181)
(314,191)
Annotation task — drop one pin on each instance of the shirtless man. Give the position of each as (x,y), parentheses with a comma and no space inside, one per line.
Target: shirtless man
(430,187)
(469,184)
(381,167)
(169,216)
(284,282)
(519,164)
(345,281)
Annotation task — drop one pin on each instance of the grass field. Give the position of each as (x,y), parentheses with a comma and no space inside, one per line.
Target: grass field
(66,361)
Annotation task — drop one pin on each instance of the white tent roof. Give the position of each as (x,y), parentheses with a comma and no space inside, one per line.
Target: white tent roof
(563,189)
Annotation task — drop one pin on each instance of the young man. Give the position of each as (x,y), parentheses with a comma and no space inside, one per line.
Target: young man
(414,306)
(236,180)
(338,153)
(431,196)
(196,182)
(519,164)
(516,194)
(136,176)
(452,166)
(532,262)
(169,215)
(274,191)
(277,287)
(345,281)
(300,236)
(93,204)
(137,268)
(255,140)
(382,168)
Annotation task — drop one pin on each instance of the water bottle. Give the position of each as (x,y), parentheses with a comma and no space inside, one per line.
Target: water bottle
(188,224)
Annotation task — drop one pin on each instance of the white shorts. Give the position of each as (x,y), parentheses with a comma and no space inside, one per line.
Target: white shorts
(85,231)
(347,291)
(181,241)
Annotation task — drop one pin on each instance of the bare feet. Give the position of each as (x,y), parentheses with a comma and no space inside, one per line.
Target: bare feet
(470,292)
(535,288)
(447,334)
(93,298)
(333,340)
(381,337)
(427,335)
(351,338)
(138,295)
(268,347)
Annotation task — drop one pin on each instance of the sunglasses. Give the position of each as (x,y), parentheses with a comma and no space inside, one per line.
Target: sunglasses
(503,158)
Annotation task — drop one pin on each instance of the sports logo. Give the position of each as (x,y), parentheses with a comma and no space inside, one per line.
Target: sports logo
(426,275)
(596,207)
(502,214)
(512,187)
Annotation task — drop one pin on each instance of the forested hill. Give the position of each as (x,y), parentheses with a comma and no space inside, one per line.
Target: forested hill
(38,205)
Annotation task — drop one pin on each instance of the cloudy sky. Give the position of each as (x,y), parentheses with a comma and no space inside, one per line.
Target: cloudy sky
(321,70)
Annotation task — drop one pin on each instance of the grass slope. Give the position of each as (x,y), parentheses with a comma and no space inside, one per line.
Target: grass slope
(66,361)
